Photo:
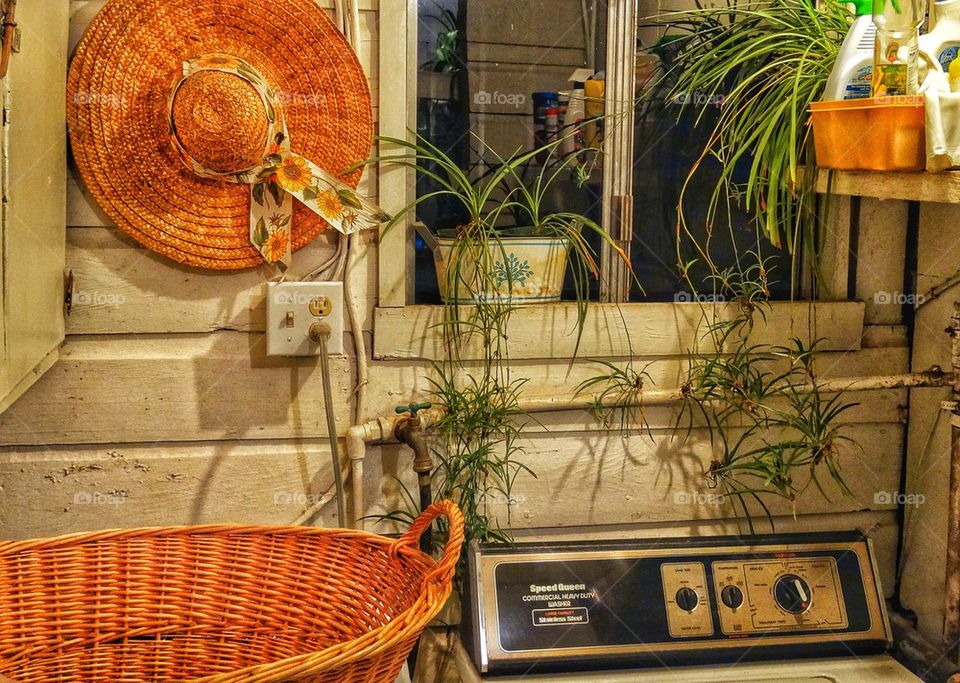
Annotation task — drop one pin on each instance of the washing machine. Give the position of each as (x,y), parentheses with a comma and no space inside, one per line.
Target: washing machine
(779,607)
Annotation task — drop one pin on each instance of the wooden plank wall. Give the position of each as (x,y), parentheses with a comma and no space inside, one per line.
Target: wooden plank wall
(928,469)
(165,410)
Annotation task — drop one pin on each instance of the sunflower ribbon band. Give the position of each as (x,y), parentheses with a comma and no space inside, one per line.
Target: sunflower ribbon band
(282,176)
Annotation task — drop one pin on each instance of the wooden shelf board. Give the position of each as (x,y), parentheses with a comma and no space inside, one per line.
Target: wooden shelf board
(912,186)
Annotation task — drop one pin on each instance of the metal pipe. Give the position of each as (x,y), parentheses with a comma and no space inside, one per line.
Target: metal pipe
(410,431)
(951,613)
(934,377)
(383,429)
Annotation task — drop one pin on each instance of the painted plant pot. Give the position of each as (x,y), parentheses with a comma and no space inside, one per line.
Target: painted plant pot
(527,269)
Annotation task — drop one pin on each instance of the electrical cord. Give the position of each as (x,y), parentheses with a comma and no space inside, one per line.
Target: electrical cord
(330,264)
(356,326)
(320,333)
(339,267)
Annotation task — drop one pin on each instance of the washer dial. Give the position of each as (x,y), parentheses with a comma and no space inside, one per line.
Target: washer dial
(792,594)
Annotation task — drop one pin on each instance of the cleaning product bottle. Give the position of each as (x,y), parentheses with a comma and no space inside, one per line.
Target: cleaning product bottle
(572,130)
(572,122)
(895,54)
(953,74)
(552,124)
(852,75)
(593,89)
(943,40)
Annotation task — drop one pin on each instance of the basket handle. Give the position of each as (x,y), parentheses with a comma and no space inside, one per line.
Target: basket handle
(451,552)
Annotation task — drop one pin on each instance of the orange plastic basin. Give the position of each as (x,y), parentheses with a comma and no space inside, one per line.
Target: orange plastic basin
(882,134)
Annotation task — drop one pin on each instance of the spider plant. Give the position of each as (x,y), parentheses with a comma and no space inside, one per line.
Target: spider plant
(481,461)
(768,60)
(772,431)
(620,392)
(480,437)
(446,57)
(788,434)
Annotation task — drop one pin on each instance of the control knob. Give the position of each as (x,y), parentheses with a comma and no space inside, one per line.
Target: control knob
(731,596)
(687,599)
(792,594)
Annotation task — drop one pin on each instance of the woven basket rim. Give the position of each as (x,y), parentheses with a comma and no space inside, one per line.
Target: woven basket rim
(15,546)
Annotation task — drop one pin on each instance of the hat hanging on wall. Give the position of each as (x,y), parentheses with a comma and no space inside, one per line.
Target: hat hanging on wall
(220,133)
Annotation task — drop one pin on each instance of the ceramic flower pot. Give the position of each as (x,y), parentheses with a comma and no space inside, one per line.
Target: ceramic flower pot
(436,85)
(527,269)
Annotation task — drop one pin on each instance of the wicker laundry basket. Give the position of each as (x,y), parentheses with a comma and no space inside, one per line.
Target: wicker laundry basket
(220,603)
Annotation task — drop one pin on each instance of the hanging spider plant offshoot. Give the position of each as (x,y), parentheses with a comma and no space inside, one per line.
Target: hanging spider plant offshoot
(767,60)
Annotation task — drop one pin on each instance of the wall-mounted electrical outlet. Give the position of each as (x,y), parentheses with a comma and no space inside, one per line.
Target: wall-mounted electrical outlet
(293,307)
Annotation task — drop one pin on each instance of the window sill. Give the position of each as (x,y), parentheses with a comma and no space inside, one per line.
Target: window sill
(655,329)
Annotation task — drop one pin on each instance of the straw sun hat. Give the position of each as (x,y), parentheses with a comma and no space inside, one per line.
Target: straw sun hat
(218,132)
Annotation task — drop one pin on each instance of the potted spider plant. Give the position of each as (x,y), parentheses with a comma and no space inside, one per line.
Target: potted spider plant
(487,268)
(527,263)
(512,248)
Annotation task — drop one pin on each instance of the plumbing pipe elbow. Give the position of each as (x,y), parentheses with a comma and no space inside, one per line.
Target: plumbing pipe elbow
(383,429)
(357,437)
(356,442)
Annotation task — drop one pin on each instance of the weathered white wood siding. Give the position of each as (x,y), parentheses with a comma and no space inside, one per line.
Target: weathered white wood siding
(925,528)
(165,410)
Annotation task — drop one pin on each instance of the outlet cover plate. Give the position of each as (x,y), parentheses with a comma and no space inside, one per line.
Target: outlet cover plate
(292,307)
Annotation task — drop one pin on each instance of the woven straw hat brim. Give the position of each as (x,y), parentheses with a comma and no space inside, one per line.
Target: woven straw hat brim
(118,86)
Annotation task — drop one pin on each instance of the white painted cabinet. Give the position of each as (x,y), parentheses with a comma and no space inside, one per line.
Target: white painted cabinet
(33,182)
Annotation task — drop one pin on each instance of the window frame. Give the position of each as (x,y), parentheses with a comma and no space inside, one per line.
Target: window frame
(403,331)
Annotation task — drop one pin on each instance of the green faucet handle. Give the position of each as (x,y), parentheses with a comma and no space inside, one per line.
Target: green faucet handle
(413,408)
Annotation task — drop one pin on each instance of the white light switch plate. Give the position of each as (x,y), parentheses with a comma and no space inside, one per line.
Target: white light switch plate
(292,307)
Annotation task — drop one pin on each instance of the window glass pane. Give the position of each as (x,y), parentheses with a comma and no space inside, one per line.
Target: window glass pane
(669,141)
(495,79)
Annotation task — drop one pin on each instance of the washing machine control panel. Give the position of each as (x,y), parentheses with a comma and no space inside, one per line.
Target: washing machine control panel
(626,603)
(780,594)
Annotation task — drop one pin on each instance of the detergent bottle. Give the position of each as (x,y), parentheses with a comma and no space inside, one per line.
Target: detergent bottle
(852,75)
(943,40)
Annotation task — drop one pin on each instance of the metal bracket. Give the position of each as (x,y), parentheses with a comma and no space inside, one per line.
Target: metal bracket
(68,282)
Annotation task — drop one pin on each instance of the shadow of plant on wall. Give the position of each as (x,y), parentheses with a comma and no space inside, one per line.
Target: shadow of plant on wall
(772,430)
